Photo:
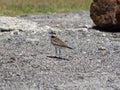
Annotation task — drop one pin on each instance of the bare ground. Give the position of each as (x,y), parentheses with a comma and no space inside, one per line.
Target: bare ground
(28,60)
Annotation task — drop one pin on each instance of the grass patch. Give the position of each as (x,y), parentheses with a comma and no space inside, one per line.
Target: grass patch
(20,7)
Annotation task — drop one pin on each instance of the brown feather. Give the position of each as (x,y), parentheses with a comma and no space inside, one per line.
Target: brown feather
(58,42)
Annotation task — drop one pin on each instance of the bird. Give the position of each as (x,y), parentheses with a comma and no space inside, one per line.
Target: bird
(58,43)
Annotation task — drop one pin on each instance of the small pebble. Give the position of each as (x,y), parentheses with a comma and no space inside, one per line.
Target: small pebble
(104,35)
(84,52)
(85,29)
(102,48)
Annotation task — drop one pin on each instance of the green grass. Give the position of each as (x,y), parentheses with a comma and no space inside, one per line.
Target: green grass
(21,7)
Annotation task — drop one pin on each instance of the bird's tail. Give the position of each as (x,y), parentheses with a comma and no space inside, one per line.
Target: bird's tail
(69,47)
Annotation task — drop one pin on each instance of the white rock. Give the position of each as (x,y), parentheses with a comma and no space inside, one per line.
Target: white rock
(7,23)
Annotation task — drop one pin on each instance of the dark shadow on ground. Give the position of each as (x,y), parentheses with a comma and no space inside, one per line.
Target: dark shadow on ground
(111,29)
(58,58)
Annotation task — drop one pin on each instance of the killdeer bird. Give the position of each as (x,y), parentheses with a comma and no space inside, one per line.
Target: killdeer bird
(58,43)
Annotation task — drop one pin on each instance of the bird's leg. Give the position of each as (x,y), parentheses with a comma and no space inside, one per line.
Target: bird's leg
(59,52)
(55,51)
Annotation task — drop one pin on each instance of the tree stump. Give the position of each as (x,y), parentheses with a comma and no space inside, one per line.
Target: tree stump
(105,13)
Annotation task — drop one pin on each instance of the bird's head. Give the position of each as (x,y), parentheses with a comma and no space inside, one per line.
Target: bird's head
(52,34)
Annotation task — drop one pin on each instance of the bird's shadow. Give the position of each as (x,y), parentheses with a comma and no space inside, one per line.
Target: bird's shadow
(111,29)
(58,58)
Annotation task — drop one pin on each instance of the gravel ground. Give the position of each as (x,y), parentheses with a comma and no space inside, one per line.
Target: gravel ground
(28,62)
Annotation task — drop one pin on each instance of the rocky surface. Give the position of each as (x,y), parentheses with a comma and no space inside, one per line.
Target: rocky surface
(28,62)
(105,13)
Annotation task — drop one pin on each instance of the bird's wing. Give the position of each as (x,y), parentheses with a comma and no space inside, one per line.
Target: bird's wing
(58,42)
